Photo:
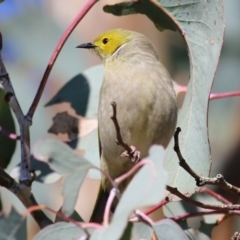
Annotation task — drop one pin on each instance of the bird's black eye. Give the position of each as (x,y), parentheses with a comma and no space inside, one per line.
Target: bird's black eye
(105,41)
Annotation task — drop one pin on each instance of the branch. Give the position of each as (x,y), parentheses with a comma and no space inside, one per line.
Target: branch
(23,192)
(203,213)
(24,123)
(183,89)
(214,96)
(225,207)
(202,181)
(215,195)
(131,151)
(55,54)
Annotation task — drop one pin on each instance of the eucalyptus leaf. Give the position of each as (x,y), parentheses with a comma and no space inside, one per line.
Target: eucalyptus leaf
(64,160)
(13,226)
(60,231)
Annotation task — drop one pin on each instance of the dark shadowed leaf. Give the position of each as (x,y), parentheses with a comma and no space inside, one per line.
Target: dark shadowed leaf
(65,123)
(201,23)
(13,226)
(127,233)
(64,160)
(167,229)
(82,92)
(6,123)
(155,12)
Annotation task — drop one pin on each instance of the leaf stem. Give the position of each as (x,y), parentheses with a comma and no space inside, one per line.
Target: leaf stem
(56,52)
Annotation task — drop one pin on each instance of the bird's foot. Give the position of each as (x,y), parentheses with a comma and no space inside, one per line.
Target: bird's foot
(134,154)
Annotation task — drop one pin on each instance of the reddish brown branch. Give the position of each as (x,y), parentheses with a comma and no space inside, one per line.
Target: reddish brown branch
(131,151)
(23,192)
(225,207)
(215,195)
(56,52)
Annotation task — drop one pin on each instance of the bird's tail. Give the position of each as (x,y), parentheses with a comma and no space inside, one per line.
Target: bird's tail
(98,210)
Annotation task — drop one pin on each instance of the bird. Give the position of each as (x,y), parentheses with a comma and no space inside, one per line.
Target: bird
(140,85)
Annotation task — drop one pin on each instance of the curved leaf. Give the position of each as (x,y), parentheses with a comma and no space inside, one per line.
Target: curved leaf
(60,231)
(167,229)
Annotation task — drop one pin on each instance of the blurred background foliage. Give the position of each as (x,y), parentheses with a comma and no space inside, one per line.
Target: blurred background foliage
(30,32)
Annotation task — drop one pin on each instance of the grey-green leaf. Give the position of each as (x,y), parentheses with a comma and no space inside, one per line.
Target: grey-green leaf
(167,229)
(60,231)
(13,226)
(64,160)
(82,92)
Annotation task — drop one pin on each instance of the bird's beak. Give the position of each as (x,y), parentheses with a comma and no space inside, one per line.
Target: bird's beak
(86,45)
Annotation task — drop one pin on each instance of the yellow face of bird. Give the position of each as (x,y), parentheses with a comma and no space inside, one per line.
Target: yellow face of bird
(109,42)
(106,44)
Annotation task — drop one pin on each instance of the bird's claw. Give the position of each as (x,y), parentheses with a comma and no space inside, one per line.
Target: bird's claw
(134,155)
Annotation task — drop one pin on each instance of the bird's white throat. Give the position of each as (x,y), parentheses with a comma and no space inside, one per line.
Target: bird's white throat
(117,51)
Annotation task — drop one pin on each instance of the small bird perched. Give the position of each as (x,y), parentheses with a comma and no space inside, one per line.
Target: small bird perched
(137,81)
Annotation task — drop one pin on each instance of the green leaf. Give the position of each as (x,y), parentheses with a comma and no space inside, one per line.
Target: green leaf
(152,181)
(60,231)
(13,226)
(167,229)
(6,122)
(82,92)
(64,160)
(201,23)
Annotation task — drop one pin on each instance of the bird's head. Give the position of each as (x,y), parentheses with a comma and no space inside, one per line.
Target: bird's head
(109,43)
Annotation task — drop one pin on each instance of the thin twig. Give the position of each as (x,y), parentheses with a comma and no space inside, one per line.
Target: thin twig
(131,152)
(8,134)
(182,161)
(143,217)
(213,96)
(225,207)
(23,192)
(133,170)
(158,206)
(201,181)
(113,193)
(56,52)
(215,195)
